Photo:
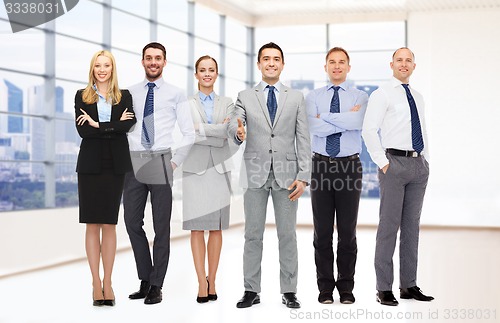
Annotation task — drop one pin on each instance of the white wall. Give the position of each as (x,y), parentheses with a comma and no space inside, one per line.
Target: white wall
(458,70)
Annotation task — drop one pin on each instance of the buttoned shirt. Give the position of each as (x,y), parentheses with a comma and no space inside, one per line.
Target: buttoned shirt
(208,104)
(347,122)
(263,87)
(170,106)
(387,121)
(103,107)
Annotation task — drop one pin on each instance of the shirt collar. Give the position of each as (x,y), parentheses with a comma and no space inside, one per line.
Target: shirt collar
(342,85)
(277,86)
(203,96)
(159,82)
(395,82)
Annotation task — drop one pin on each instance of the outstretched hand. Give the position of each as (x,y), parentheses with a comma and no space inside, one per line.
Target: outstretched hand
(240,132)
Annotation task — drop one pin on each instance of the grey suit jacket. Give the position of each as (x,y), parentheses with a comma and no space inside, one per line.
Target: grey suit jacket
(211,142)
(286,144)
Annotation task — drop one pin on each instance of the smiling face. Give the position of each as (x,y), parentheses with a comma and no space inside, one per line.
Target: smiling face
(206,74)
(103,69)
(270,65)
(403,64)
(337,66)
(154,61)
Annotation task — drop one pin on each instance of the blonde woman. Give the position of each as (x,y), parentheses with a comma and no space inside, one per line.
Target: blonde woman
(104,115)
(206,177)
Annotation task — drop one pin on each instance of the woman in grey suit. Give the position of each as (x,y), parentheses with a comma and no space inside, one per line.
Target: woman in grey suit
(206,177)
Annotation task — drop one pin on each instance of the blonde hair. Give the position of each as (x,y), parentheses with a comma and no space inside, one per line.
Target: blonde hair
(114,94)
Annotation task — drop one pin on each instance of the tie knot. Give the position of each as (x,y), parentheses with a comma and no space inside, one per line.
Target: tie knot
(270,87)
(406,86)
(151,85)
(336,88)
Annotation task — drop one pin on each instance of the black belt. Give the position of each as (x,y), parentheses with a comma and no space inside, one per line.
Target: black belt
(404,153)
(150,153)
(335,159)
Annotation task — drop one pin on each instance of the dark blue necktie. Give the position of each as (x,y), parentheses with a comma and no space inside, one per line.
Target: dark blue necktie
(148,125)
(333,140)
(416,129)
(272,105)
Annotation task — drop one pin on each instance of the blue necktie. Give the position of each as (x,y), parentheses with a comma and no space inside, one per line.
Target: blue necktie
(148,125)
(416,129)
(333,140)
(272,105)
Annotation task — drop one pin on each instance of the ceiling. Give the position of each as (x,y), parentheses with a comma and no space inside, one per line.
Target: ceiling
(290,12)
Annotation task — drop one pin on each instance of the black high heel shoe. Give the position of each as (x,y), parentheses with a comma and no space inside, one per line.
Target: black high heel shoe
(202,299)
(97,302)
(211,297)
(109,302)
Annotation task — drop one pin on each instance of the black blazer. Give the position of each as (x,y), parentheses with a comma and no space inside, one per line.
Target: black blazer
(89,158)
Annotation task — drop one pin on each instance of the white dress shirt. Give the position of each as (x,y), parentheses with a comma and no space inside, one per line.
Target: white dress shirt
(170,105)
(387,122)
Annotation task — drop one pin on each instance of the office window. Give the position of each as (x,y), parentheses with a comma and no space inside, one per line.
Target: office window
(140,8)
(202,47)
(23,51)
(84,21)
(236,35)
(129,67)
(176,44)
(236,65)
(293,39)
(368,36)
(173,13)
(128,32)
(73,64)
(206,23)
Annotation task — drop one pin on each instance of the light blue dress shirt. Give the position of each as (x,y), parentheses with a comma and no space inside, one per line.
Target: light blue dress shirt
(348,122)
(208,105)
(103,107)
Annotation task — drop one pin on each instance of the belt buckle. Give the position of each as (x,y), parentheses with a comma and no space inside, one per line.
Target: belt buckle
(414,154)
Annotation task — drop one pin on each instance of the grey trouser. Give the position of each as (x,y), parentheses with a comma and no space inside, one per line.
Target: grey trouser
(285,213)
(402,190)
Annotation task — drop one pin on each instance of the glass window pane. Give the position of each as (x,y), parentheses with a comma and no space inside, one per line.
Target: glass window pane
(233,87)
(365,36)
(124,31)
(176,44)
(236,35)
(74,64)
(84,21)
(312,38)
(18,190)
(65,98)
(129,68)
(371,67)
(206,23)
(173,13)
(140,8)
(202,47)
(176,75)
(23,51)
(236,65)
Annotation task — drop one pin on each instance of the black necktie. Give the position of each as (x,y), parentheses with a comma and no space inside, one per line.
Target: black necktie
(416,129)
(272,105)
(333,140)
(148,125)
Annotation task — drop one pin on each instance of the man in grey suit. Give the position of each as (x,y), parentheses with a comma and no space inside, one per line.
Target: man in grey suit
(276,161)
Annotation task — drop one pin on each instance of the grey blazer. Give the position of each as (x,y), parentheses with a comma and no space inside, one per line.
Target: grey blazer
(213,144)
(286,145)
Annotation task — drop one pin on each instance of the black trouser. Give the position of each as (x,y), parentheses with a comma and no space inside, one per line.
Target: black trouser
(335,190)
(134,201)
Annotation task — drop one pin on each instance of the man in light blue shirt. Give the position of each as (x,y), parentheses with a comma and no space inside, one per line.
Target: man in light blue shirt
(335,114)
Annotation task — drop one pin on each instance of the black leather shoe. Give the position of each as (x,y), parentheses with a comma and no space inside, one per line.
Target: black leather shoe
(154,295)
(248,299)
(325,297)
(386,298)
(347,297)
(97,302)
(143,291)
(109,302)
(290,300)
(415,293)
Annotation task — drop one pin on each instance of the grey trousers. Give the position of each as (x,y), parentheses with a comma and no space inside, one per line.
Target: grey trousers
(285,213)
(402,190)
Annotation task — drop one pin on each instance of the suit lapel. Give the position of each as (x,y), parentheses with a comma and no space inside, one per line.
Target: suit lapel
(199,108)
(281,102)
(263,105)
(219,114)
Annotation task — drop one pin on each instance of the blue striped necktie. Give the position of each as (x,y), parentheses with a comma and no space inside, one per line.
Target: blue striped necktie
(272,105)
(416,129)
(148,125)
(333,140)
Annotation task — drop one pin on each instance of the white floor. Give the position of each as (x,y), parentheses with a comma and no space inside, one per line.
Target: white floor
(461,268)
